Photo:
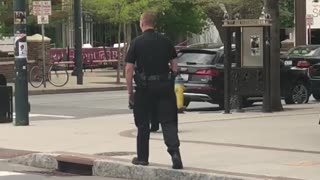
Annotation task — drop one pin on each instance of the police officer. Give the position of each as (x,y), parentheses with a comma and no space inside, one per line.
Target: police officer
(152,54)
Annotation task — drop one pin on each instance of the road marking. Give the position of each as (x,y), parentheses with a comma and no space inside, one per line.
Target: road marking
(48,115)
(7,173)
(303,163)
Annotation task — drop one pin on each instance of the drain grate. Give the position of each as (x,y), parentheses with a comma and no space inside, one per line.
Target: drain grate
(116,153)
(75,168)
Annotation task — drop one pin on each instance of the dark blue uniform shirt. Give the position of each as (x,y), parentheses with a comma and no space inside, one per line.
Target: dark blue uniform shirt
(151,52)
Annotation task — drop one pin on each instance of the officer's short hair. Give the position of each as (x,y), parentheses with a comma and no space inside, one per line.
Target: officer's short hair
(148,18)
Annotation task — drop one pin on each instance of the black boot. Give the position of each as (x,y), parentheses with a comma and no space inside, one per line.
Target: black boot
(176,160)
(135,161)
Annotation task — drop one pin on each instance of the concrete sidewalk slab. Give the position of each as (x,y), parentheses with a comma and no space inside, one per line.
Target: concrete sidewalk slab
(280,145)
(96,81)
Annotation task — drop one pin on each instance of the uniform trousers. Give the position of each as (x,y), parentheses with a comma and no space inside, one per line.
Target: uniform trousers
(163,100)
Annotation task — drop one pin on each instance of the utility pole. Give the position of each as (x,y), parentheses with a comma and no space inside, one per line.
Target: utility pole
(20,52)
(300,22)
(78,40)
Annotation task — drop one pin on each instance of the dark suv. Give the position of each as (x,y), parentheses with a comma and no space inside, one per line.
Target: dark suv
(202,70)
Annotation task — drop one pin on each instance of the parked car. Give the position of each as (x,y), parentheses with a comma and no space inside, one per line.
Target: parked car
(302,56)
(202,71)
(306,56)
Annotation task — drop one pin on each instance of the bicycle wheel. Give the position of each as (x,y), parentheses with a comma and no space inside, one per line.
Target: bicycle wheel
(58,75)
(36,76)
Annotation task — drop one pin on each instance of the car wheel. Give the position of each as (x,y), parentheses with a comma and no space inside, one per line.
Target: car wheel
(316,95)
(233,101)
(247,103)
(299,94)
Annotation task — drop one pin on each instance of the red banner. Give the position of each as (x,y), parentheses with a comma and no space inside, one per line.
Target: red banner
(88,54)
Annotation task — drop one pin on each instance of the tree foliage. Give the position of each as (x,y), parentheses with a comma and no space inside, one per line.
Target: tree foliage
(6,21)
(175,18)
(121,11)
(286,13)
(180,19)
(247,9)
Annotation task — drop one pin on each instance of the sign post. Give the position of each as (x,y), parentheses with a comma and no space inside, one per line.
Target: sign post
(309,22)
(78,40)
(42,9)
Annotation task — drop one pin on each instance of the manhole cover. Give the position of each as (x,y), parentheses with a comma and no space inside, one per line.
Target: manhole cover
(119,153)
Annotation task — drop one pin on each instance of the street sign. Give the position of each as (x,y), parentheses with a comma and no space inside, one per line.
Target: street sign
(41,8)
(309,20)
(43,19)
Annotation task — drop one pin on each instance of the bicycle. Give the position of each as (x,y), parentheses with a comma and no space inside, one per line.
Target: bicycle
(57,75)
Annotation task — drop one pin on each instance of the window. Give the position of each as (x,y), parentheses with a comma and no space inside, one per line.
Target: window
(196,58)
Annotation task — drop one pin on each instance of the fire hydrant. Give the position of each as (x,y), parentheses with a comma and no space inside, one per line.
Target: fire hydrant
(179,89)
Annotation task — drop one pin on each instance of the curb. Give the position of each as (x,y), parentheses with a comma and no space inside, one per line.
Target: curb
(39,160)
(75,90)
(120,169)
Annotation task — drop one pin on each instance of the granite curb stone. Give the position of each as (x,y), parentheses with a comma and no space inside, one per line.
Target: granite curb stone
(39,160)
(119,169)
(107,168)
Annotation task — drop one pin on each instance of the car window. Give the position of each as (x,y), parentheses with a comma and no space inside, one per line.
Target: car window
(196,58)
(303,51)
(317,52)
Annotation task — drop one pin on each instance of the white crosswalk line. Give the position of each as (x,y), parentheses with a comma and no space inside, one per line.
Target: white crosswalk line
(7,173)
(48,115)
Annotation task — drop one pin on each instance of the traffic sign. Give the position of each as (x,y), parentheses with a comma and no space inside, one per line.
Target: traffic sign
(309,20)
(41,8)
(43,19)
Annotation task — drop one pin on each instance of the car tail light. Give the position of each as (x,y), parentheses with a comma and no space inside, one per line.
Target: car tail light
(209,72)
(303,64)
(312,70)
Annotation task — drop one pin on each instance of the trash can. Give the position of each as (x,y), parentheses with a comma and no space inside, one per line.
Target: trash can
(6,106)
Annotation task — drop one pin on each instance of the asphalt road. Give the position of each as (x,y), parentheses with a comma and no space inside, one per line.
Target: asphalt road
(10,171)
(84,105)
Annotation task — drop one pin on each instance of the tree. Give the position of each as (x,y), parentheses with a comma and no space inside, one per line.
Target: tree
(182,18)
(6,26)
(286,13)
(246,8)
(272,6)
(122,12)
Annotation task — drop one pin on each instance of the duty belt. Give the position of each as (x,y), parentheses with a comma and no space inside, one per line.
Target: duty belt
(156,77)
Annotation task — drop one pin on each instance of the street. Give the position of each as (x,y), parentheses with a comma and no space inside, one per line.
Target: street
(10,171)
(96,104)
(83,105)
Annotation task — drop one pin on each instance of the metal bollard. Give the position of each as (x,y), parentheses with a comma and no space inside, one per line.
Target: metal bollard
(179,90)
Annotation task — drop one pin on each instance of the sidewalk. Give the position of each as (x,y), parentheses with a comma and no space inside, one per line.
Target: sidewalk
(97,80)
(251,145)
